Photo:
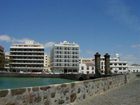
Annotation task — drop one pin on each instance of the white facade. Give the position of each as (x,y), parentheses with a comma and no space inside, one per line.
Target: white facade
(134,68)
(65,58)
(86,68)
(27,57)
(117,66)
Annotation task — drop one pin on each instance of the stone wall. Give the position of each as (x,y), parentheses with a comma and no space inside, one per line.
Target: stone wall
(62,94)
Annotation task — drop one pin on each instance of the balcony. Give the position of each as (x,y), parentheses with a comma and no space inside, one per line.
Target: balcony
(28,63)
(27,55)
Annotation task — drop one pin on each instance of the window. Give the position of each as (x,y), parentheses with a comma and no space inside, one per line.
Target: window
(102,63)
(102,67)
(82,68)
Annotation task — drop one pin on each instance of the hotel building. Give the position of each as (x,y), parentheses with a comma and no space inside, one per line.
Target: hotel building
(65,58)
(2,58)
(27,57)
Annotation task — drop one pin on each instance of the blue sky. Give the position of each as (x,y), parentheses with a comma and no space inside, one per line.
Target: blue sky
(111,26)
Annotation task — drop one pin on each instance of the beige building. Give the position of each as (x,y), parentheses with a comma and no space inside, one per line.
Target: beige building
(27,57)
(7,62)
(2,58)
(47,63)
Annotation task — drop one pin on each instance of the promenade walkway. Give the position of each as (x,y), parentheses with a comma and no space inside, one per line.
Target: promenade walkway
(125,95)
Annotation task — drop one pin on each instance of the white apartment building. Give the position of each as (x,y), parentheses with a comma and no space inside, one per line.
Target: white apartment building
(27,57)
(65,58)
(117,66)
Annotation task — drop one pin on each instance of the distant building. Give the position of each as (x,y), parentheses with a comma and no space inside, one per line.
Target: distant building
(2,58)
(86,66)
(134,68)
(47,63)
(7,62)
(85,60)
(27,57)
(117,66)
(65,58)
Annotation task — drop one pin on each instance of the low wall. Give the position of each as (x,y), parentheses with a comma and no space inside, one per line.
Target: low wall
(62,94)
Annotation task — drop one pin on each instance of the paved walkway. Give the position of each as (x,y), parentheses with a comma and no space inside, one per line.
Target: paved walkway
(125,95)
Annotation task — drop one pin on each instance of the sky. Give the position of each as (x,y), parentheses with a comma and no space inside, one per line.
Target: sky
(104,26)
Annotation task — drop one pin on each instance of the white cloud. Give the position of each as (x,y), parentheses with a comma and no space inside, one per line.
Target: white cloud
(5,38)
(9,39)
(22,40)
(136,46)
(49,44)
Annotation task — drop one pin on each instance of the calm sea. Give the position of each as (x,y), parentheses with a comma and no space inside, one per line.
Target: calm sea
(17,82)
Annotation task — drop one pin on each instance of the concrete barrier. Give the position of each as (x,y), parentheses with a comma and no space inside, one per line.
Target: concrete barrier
(62,94)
